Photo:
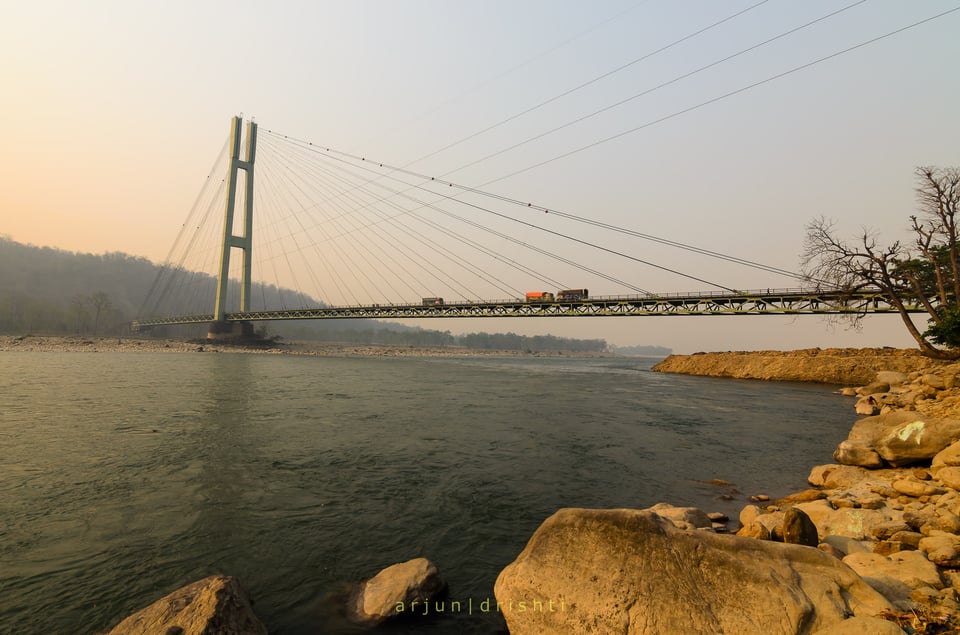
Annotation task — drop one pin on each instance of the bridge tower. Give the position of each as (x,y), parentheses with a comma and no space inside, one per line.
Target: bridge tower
(220,327)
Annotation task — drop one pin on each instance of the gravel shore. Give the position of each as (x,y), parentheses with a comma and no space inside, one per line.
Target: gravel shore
(37,343)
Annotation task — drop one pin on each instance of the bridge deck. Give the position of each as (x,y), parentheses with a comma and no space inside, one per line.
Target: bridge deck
(770,302)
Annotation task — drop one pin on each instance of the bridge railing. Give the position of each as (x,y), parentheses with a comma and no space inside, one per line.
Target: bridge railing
(769,292)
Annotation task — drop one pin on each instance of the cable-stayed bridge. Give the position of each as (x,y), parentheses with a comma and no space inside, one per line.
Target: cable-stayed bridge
(324,234)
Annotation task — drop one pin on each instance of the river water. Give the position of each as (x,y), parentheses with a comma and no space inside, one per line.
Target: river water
(124,476)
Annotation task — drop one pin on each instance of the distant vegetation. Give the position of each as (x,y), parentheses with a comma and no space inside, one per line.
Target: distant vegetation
(641,351)
(51,291)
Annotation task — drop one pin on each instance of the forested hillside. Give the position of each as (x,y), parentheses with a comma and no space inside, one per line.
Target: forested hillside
(51,291)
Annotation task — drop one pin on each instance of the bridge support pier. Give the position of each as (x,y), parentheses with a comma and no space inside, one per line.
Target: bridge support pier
(223,331)
(230,240)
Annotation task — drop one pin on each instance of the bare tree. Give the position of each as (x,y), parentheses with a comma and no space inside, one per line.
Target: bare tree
(79,304)
(930,278)
(100,302)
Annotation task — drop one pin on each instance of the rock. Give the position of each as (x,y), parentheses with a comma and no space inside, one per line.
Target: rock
(934,381)
(830,549)
(803,497)
(883,531)
(867,406)
(844,477)
(838,502)
(873,389)
(942,549)
(629,571)
(853,523)
(907,539)
(917,519)
(914,488)
(846,545)
(748,514)
(909,398)
(903,437)
(891,377)
(947,457)
(216,604)
(394,590)
(798,529)
(857,453)
(949,476)
(773,522)
(947,521)
(887,547)
(864,625)
(896,576)
(755,530)
(870,502)
(683,517)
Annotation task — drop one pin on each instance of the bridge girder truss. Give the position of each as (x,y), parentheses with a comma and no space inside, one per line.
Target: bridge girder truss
(746,303)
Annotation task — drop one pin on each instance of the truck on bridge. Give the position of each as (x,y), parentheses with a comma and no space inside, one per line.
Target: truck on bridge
(539,296)
(572,294)
(563,295)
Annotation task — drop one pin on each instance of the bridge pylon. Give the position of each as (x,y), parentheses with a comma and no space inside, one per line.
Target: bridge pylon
(244,242)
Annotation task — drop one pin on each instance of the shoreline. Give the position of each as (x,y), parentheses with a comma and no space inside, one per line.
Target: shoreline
(81,344)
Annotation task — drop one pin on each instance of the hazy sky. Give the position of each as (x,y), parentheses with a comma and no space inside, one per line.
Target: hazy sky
(115,111)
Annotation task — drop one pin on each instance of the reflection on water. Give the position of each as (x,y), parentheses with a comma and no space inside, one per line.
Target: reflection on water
(125,476)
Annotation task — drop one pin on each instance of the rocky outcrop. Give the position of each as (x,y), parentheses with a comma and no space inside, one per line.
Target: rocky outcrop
(215,605)
(841,366)
(631,571)
(395,590)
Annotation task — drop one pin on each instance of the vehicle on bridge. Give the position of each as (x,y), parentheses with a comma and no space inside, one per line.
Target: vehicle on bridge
(539,296)
(433,302)
(572,294)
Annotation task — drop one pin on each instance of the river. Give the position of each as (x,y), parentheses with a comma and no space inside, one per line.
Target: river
(124,476)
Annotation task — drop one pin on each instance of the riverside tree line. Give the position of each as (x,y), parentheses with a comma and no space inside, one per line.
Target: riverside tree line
(56,292)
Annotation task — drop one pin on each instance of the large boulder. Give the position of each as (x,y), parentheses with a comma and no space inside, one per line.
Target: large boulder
(396,590)
(216,604)
(632,572)
(857,453)
(837,476)
(846,521)
(798,529)
(904,437)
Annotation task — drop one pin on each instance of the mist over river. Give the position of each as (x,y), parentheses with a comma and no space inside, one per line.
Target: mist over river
(124,476)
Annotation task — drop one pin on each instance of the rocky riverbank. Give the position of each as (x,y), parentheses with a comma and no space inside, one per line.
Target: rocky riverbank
(839,366)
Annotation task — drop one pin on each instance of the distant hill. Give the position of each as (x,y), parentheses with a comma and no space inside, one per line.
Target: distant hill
(641,351)
(51,291)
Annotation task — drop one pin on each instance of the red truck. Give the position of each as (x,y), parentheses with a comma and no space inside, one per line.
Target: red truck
(539,296)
